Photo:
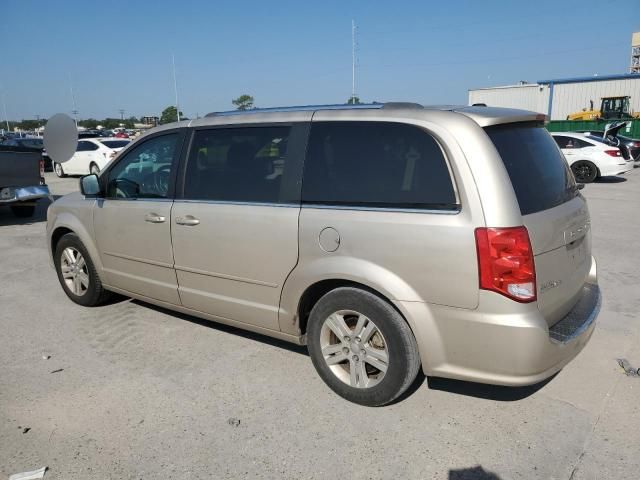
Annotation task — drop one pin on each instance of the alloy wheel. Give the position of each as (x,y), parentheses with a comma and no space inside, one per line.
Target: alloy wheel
(354,348)
(74,271)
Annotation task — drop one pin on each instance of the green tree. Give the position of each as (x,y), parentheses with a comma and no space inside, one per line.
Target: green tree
(354,101)
(89,123)
(243,102)
(111,123)
(170,114)
(29,124)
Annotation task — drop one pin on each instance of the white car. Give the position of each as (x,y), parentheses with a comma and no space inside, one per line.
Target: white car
(590,158)
(92,155)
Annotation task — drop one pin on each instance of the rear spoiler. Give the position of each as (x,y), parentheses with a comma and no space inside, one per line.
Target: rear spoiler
(487,116)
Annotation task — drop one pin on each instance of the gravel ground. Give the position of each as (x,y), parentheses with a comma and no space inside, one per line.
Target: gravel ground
(133,391)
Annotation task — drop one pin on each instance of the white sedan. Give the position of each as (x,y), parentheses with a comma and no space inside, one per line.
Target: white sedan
(92,155)
(590,158)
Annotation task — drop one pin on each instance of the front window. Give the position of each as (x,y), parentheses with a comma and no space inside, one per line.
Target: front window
(144,172)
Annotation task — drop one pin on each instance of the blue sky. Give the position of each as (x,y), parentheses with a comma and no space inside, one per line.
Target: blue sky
(118,54)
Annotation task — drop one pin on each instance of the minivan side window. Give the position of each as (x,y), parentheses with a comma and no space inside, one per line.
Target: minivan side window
(378,165)
(244,164)
(144,171)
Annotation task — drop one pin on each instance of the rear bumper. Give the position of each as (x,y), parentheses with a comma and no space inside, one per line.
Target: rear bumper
(23,194)
(616,169)
(512,349)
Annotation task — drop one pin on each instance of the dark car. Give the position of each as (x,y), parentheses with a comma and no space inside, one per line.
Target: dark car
(27,143)
(630,147)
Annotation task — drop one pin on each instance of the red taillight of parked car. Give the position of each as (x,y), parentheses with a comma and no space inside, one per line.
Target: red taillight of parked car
(505,262)
(613,153)
(42,168)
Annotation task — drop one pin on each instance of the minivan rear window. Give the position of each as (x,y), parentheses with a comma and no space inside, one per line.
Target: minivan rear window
(540,175)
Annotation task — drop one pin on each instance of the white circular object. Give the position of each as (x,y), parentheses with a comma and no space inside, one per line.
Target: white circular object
(60,137)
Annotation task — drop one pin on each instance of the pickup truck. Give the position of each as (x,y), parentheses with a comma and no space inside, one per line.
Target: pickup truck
(21,180)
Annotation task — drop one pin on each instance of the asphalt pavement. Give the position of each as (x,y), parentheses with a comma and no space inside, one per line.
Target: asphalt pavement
(131,391)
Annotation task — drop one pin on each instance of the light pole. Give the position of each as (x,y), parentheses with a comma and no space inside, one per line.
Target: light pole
(175,84)
(4,105)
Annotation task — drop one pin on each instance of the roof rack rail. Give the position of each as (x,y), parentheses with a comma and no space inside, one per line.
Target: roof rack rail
(390,105)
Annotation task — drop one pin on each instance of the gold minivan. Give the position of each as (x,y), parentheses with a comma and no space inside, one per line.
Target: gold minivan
(385,237)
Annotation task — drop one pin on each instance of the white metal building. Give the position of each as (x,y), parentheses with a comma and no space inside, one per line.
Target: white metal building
(561,97)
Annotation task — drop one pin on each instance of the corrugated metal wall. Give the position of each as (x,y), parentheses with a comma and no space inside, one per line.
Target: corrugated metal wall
(573,97)
(527,97)
(567,97)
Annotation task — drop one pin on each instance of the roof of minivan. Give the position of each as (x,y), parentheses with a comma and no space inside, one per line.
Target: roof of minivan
(483,116)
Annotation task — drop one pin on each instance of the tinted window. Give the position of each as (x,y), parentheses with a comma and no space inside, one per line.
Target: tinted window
(115,143)
(86,146)
(237,164)
(539,173)
(32,142)
(562,141)
(375,164)
(144,172)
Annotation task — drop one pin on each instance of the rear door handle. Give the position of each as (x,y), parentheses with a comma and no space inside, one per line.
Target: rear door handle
(188,220)
(154,218)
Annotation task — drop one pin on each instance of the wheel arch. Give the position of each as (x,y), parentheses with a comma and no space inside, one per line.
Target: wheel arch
(308,283)
(67,223)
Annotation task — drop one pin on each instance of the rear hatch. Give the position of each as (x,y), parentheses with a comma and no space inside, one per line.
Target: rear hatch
(553,210)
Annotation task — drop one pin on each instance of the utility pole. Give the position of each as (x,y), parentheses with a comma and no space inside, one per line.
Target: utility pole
(121,114)
(353,61)
(73,102)
(4,105)
(175,84)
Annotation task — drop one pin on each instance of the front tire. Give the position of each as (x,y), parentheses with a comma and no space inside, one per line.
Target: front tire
(584,171)
(362,347)
(58,169)
(77,273)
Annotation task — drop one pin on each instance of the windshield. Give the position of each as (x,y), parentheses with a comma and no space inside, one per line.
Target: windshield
(31,142)
(540,175)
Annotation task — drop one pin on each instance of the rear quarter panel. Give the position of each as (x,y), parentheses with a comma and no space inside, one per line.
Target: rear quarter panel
(406,256)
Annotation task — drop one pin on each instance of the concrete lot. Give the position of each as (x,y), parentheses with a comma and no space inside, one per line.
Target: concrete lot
(146,393)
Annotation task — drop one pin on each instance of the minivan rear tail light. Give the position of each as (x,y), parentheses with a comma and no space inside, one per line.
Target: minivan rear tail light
(505,262)
(41,167)
(613,153)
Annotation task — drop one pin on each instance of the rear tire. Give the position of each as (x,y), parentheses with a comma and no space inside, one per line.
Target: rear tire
(77,273)
(94,169)
(23,211)
(353,330)
(58,169)
(584,171)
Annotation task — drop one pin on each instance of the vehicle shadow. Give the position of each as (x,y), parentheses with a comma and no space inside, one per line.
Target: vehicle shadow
(610,180)
(301,349)
(8,218)
(487,392)
(458,387)
(473,473)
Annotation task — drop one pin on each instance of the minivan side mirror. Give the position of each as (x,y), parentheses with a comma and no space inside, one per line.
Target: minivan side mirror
(89,185)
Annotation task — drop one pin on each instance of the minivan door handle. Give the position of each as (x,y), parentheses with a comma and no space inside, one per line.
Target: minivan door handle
(188,220)
(154,218)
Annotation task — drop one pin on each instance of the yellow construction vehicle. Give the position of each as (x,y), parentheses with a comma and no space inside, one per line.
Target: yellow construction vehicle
(610,108)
